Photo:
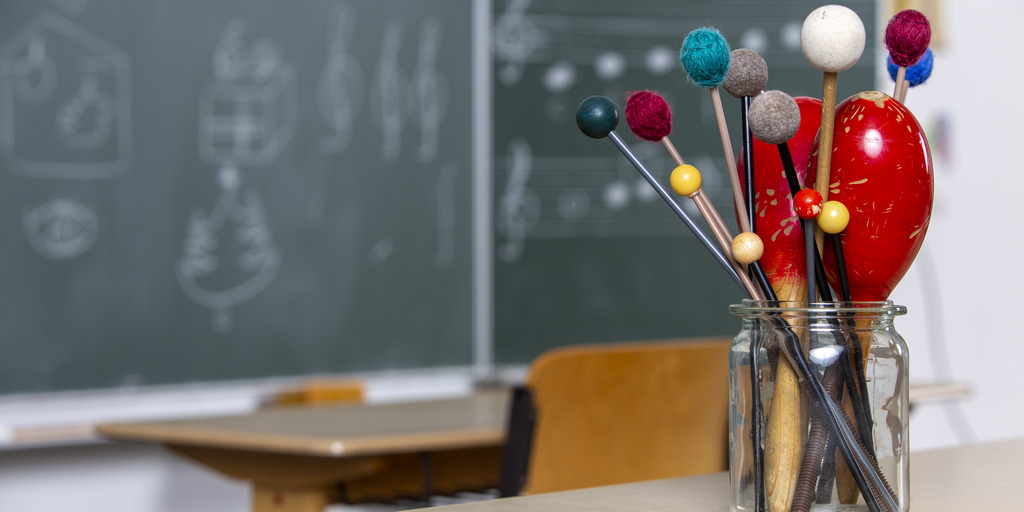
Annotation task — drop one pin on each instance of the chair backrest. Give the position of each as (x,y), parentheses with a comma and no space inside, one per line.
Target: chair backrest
(624,412)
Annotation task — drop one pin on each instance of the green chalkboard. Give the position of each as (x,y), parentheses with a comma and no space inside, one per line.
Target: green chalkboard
(584,249)
(197,190)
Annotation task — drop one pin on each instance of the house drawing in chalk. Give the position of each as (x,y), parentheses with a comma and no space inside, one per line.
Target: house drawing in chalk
(65,102)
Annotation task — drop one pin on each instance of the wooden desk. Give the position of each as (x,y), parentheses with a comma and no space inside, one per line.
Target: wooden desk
(296,457)
(975,477)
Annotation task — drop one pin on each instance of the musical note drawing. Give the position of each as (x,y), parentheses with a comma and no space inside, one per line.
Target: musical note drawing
(515,39)
(429,89)
(389,82)
(446,201)
(61,229)
(221,270)
(610,65)
(519,207)
(342,82)
(66,97)
(660,60)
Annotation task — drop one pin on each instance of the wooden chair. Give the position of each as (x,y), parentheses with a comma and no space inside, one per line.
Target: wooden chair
(613,413)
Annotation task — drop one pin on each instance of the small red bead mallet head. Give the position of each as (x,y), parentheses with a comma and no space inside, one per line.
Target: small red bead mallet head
(807,203)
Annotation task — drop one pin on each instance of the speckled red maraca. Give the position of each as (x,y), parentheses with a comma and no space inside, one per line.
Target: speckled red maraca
(778,226)
(882,171)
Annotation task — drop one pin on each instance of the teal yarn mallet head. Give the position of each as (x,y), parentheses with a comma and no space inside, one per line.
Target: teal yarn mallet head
(596,117)
(705,56)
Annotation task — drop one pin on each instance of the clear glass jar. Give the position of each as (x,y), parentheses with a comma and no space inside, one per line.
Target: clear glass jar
(793,439)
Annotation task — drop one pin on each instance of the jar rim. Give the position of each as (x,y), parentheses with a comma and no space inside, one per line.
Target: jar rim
(760,307)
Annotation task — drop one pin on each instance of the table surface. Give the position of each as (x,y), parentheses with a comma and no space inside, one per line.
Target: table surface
(339,430)
(970,477)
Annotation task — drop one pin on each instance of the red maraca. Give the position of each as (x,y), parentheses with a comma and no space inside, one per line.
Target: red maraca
(882,171)
(783,258)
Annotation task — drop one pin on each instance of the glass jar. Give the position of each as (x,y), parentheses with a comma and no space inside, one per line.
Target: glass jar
(819,416)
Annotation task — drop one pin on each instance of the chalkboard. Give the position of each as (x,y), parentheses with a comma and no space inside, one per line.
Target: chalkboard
(197,190)
(585,251)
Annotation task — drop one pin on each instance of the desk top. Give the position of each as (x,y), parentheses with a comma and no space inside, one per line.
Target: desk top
(974,477)
(473,421)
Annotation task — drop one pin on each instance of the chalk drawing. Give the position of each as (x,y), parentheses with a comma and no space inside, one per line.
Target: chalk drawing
(71,7)
(516,37)
(66,118)
(519,207)
(61,229)
(446,217)
(342,83)
(756,39)
(389,83)
(228,256)
(248,114)
(381,251)
(560,77)
(661,60)
(610,65)
(86,120)
(429,89)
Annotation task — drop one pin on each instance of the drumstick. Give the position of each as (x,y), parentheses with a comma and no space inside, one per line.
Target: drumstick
(686,181)
(906,37)
(597,118)
(705,57)
(832,39)
(650,118)
(747,77)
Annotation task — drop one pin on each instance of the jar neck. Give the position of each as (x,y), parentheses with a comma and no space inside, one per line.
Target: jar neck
(882,310)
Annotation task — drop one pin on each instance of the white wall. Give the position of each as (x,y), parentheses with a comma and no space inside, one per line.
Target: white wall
(960,293)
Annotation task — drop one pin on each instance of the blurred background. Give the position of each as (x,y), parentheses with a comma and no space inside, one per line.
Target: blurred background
(227,198)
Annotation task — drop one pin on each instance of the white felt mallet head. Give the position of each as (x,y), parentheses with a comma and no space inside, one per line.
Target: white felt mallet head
(832,38)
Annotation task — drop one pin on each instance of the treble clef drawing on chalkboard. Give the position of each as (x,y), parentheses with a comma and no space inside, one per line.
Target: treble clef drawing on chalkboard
(515,38)
(342,82)
(519,208)
(429,91)
(389,84)
(205,271)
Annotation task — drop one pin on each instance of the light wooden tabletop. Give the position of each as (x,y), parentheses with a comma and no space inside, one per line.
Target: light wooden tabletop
(337,431)
(973,477)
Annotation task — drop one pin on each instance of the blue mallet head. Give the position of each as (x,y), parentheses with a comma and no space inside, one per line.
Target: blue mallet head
(917,73)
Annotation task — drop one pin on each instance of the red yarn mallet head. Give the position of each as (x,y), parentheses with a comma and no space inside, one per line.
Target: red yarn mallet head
(907,37)
(648,115)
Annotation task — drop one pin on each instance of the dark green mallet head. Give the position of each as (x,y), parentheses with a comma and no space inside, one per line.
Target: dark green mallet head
(597,117)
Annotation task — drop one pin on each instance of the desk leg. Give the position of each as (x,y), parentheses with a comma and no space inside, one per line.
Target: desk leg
(270,498)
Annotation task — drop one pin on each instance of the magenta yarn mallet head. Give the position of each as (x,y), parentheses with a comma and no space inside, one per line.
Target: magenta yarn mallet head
(648,115)
(907,37)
